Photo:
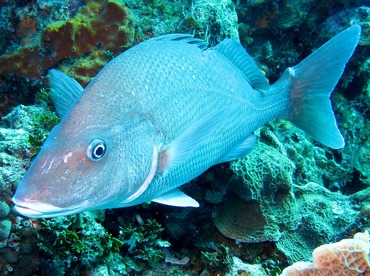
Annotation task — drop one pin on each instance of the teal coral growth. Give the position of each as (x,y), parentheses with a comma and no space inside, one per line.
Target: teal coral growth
(81,243)
(76,242)
(218,260)
(263,205)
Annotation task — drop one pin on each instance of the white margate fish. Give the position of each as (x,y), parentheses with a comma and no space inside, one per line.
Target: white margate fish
(162,113)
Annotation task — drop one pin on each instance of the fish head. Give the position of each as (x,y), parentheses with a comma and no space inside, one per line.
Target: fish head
(94,167)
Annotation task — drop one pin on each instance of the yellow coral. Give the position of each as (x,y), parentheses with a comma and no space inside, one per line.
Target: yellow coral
(349,257)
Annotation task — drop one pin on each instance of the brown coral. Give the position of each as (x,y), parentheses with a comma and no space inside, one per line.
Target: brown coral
(348,257)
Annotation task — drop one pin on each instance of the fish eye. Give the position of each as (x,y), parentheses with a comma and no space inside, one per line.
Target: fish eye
(96,149)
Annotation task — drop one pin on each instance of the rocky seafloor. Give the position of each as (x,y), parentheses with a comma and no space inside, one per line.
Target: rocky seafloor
(296,193)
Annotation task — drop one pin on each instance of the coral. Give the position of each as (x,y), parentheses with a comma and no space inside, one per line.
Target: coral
(21,134)
(240,268)
(340,20)
(313,163)
(211,20)
(43,122)
(156,17)
(100,25)
(14,145)
(267,206)
(214,19)
(81,243)
(263,205)
(5,227)
(346,257)
(352,111)
(325,215)
(86,67)
(4,209)
(143,243)
(78,242)
(265,170)
(217,260)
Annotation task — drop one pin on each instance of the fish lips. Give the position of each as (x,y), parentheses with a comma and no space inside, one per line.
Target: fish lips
(44,210)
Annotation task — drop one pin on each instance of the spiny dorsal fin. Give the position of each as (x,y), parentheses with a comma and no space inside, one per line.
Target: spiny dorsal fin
(237,55)
(186,38)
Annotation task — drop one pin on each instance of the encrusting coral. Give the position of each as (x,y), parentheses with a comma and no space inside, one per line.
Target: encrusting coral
(347,257)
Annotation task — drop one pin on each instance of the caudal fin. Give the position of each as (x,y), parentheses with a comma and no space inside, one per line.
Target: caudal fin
(311,83)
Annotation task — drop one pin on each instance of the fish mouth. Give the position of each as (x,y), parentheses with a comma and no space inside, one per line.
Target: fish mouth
(43,210)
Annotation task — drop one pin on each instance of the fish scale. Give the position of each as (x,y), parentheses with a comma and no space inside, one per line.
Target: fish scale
(162,113)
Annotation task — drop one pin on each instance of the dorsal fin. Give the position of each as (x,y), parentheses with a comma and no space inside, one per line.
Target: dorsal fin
(64,90)
(186,38)
(236,54)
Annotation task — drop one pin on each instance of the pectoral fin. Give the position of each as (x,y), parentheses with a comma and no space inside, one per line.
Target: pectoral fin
(241,150)
(176,198)
(178,151)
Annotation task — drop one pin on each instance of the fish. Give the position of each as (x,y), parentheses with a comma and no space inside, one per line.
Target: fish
(163,112)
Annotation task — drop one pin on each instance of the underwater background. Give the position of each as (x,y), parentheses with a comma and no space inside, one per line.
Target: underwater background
(297,194)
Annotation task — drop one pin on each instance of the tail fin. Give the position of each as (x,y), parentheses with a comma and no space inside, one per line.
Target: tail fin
(312,82)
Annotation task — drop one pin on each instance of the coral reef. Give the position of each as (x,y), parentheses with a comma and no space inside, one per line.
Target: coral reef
(143,243)
(214,20)
(325,216)
(265,200)
(286,198)
(263,203)
(78,243)
(99,25)
(5,227)
(219,260)
(22,133)
(346,257)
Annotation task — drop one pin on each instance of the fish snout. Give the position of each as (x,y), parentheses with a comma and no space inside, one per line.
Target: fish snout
(37,209)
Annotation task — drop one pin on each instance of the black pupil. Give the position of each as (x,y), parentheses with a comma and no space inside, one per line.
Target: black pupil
(99,151)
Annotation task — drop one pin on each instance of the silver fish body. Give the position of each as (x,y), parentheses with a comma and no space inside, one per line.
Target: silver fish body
(163,112)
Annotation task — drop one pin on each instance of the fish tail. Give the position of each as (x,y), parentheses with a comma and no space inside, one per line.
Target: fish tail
(311,83)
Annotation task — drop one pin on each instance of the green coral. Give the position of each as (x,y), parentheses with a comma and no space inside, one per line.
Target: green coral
(326,216)
(214,20)
(79,242)
(5,227)
(143,243)
(262,206)
(218,259)
(43,121)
